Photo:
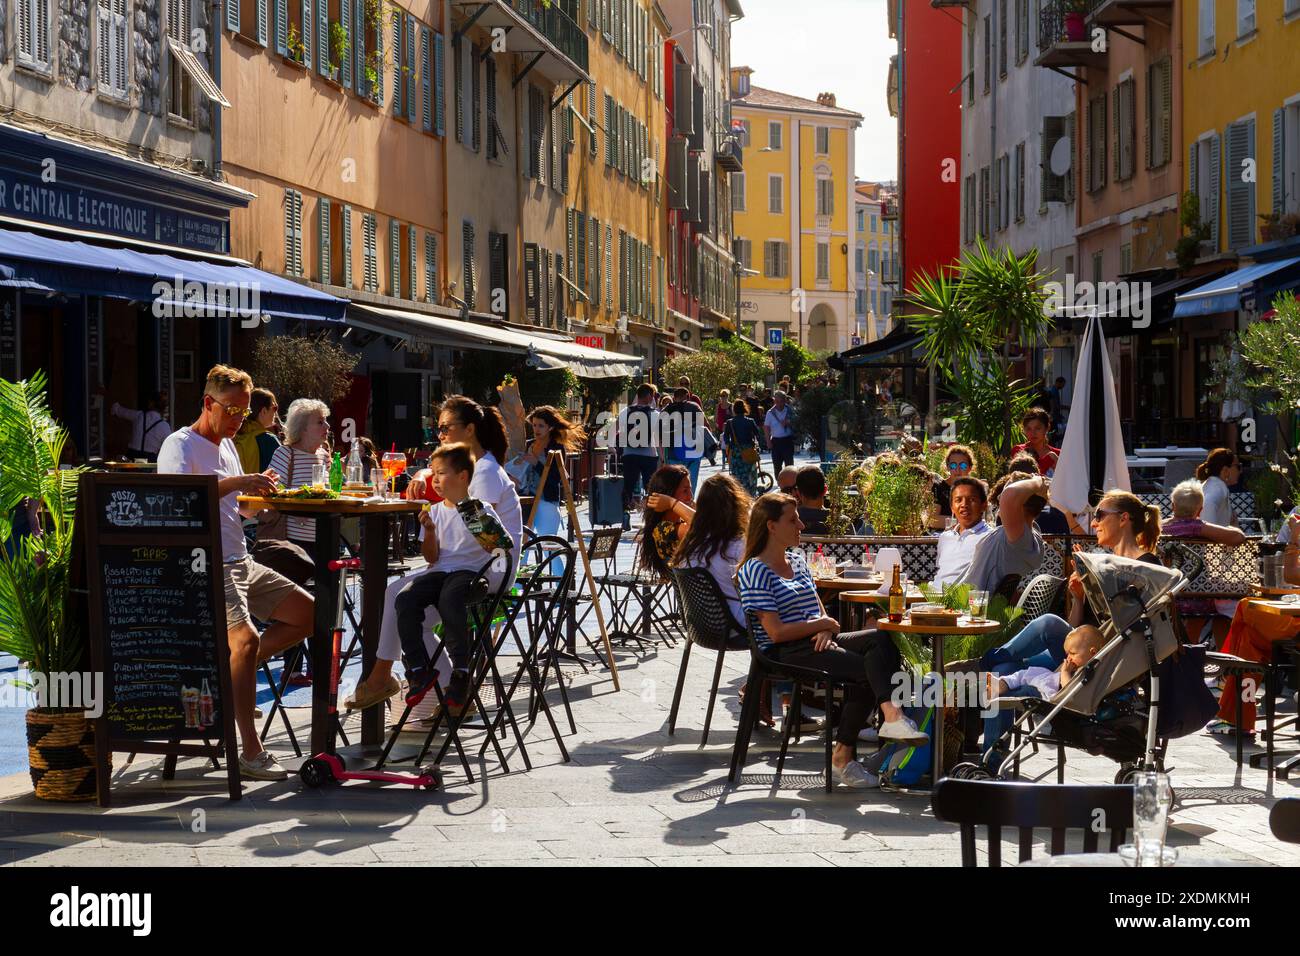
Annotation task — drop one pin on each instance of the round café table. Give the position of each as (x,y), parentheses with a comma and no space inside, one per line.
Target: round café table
(936,633)
(375,515)
(1262,590)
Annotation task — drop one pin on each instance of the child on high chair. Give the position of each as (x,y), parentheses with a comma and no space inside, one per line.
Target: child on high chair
(458,536)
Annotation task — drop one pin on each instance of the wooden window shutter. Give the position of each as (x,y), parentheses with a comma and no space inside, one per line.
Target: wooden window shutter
(394,259)
(593,261)
(289,267)
(622,271)
(370,238)
(412,265)
(580,262)
(494,138)
(281,23)
(1279,161)
(610,137)
(379,60)
(439,85)
(426,82)
(468,266)
(308,17)
(591,118)
(322,36)
(323,239)
(530,283)
(1211,214)
(25,7)
(570,238)
(458,85)
(345,21)
(476,100)
(609,267)
(430,267)
(1241,195)
(345,220)
(498,278)
(544,309)
(1166,111)
(399,84)
(408,61)
(261,23)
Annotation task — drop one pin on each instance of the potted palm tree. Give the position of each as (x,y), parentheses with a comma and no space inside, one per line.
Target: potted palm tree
(38,504)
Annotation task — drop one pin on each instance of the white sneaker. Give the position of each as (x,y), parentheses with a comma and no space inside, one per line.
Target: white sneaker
(262,767)
(903,730)
(854,776)
(869,735)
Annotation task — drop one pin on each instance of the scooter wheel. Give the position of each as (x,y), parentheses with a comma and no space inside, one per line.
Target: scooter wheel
(963,771)
(1126,775)
(315,772)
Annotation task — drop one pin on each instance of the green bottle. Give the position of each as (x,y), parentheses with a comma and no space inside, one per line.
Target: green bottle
(336,473)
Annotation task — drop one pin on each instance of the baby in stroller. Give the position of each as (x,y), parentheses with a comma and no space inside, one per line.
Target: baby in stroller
(1081,645)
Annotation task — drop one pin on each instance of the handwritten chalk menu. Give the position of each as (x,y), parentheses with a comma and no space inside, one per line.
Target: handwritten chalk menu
(161,675)
(158,618)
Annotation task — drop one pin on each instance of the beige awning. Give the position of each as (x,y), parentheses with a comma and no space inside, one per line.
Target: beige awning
(549,352)
(190,64)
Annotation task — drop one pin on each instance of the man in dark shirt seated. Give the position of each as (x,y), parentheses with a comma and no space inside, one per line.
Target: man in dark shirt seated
(810,489)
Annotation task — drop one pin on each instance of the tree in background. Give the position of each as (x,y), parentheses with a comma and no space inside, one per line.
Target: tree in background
(799,363)
(303,366)
(752,365)
(479,372)
(709,371)
(971,317)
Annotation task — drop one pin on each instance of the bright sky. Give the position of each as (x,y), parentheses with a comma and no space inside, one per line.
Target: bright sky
(843,47)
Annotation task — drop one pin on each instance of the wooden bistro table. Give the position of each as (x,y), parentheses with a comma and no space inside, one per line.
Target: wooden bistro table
(375,516)
(937,633)
(1270,592)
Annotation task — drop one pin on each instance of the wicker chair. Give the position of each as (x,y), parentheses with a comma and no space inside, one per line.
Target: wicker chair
(709,624)
(1039,596)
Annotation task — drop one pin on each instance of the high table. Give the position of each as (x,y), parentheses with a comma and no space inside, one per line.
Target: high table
(937,633)
(328,513)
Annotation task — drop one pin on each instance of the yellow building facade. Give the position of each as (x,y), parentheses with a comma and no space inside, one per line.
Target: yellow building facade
(793,210)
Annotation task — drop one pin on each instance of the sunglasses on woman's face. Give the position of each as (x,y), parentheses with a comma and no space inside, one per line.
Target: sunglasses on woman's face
(959,466)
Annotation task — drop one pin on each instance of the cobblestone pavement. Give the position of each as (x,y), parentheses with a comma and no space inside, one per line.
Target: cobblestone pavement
(630,795)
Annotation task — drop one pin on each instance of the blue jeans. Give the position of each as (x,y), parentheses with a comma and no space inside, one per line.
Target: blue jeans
(637,472)
(1041,643)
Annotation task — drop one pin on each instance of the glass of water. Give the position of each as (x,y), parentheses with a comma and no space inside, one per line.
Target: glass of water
(979,605)
(1152,797)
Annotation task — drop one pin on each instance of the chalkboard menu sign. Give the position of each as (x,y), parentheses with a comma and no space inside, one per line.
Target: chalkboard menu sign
(157,617)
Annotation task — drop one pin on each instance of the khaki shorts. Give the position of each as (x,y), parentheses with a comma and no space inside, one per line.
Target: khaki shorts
(254,590)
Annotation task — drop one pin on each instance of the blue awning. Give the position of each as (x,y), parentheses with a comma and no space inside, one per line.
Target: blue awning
(190,287)
(1224,293)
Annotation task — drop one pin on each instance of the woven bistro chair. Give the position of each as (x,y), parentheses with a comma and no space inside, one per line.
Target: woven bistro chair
(710,625)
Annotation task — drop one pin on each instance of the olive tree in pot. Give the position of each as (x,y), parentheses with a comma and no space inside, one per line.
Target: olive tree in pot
(38,504)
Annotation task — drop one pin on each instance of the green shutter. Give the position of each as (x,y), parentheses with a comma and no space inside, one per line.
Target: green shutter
(409,60)
(426,86)
(345,21)
(307,31)
(413,281)
(398,86)
(323,239)
(346,217)
(282,26)
(379,61)
(394,258)
(261,22)
(430,267)
(440,90)
(323,37)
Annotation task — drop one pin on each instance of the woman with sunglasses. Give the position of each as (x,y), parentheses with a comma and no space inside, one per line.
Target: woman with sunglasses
(958,462)
(1125,526)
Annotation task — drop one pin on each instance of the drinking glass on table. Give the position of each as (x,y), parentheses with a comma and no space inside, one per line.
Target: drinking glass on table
(319,474)
(979,605)
(394,464)
(1151,800)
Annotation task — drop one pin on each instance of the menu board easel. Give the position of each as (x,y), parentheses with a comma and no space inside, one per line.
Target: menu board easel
(157,618)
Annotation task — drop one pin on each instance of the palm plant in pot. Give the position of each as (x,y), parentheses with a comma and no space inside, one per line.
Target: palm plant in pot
(38,504)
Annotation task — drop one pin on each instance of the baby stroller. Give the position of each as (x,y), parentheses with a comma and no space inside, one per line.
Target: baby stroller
(1107,709)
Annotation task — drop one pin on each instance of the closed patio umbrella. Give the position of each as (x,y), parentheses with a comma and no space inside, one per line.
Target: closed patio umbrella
(1092,454)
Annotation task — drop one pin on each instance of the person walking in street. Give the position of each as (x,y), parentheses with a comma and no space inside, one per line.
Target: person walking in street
(684,432)
(778,425)
(744,455)
(636,436)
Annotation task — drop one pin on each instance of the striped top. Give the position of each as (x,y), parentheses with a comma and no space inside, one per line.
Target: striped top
(299,530)
(793,599)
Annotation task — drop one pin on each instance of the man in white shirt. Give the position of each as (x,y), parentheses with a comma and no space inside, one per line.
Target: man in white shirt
(149,428)
(956,547)
(252,590)
(779,426)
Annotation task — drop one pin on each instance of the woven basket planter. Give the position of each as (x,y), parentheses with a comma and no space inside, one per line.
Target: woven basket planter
(61,752)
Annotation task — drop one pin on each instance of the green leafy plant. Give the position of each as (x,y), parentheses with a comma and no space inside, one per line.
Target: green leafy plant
(1188,246)
(303,366)
(971,317)
(339,44)
(797,362)
(752,366)
(294,44)
(709,371)
(844,498)
(960,647)
(35,625)
(898,495)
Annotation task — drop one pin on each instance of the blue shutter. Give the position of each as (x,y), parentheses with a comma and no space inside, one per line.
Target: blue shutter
(261,22)
(411,255)
(345,21)
(346,217)
(232,15)
(323,238)
(1279,161)
(397,63)
(282,26)
(426,91)
(439,90)
(307,16)
(409,60)
(430,267)
(379,61)
(359,47)
(394,259)
(323,37)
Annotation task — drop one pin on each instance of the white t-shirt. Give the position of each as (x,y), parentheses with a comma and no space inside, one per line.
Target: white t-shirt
(1218,507)
(723,568)
(491,485)
(302,530)
(956,550)
(148,428)
(458,550)
(779,422)
(186,452)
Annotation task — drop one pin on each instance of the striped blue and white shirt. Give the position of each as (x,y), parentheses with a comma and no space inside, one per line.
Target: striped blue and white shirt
(793,599)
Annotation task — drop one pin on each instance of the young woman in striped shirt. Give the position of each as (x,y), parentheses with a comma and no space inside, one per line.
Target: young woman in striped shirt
(777,589)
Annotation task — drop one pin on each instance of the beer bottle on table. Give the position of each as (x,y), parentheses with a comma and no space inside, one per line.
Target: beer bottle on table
(897,601)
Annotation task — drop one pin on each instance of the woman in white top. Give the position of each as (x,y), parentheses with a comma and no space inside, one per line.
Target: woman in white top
(306,430)
(460,419)
(715,538)
(1220,470)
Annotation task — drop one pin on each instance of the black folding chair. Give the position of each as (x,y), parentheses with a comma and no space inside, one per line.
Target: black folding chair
(540,606)
(764,667)
(1024,806)
(483,600)
(710,625)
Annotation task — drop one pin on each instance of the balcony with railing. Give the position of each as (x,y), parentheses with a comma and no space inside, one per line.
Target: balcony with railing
(547,36)
(888,210)
(729,155)
(1064,37)
(1121,13)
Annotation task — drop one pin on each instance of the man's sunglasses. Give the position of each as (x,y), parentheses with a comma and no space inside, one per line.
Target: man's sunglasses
(235,411)
(959,466)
